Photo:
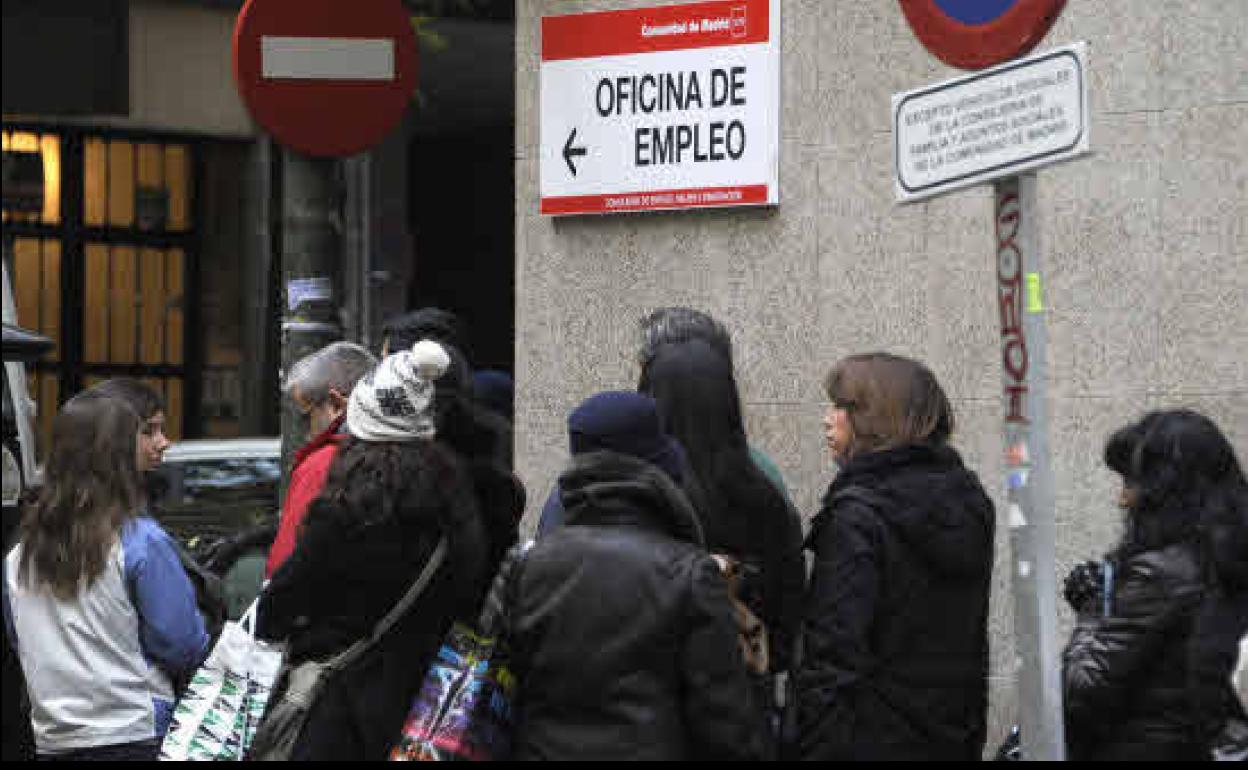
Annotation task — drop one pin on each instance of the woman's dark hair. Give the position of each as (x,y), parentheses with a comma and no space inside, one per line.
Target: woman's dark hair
(90,489)
(420,486)
(891,402)
(468,426)
(142,398)
(431,323)
(146,402)
(669,325)
(1185,480)
(741,511)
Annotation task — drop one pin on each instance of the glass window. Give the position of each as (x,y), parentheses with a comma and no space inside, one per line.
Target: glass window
(40,150)
(128,258)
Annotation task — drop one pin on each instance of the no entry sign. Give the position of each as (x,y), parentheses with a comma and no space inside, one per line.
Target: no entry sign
(325,77)
(661,108)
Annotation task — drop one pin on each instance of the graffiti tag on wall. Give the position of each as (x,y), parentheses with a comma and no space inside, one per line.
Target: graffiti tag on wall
(1010,295)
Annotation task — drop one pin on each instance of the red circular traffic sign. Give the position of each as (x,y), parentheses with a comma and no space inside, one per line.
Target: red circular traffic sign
(972,34)
(325,77)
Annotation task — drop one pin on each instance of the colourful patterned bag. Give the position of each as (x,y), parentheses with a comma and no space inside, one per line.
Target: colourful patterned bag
(463,709)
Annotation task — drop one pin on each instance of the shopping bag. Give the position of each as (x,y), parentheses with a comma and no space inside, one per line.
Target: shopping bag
(216,717)
(463,708)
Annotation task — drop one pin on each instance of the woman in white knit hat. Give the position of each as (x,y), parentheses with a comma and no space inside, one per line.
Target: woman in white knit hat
(393,493)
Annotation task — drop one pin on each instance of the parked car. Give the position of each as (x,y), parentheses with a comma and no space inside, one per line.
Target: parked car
(20,347)
(208,489)
(219,498)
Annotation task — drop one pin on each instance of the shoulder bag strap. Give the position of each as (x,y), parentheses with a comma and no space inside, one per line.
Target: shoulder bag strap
(494,610)
(347,656)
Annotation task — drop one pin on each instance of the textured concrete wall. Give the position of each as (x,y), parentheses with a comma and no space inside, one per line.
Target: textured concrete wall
(1145,242)
(180,70)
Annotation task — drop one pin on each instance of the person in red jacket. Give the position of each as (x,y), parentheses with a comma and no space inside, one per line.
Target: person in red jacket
(319,385)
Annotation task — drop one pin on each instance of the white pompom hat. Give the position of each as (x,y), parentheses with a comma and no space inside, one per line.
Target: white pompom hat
(394,402)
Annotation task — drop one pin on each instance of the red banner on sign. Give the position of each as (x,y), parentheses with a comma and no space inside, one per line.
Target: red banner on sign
(648,30)
(654,200)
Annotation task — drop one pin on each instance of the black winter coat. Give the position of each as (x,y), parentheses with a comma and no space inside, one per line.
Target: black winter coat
(895,653)
(624,642)
(340,581)
(1132,680)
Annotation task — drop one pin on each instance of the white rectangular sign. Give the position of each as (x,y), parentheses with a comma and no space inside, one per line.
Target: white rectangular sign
(992,124)
(661,108)
(326,58)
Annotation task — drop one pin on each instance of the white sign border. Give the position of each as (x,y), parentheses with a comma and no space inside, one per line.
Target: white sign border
(1081,146)
(776,110)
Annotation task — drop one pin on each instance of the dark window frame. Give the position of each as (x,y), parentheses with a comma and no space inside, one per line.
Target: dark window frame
(73,233)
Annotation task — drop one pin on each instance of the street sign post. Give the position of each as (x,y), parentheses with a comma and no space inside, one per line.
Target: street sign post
(671,107)
(1001,125)
(1029,466)
(325,77)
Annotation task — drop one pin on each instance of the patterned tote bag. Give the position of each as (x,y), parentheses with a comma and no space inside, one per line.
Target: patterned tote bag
(463,709)
(216,717)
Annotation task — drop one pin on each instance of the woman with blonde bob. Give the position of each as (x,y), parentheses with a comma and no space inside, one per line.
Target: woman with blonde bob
(895,643)
(95,597)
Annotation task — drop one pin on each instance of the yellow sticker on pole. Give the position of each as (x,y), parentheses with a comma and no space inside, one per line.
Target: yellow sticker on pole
(1035,300)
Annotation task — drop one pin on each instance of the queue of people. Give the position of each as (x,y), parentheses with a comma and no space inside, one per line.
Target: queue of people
(672,607)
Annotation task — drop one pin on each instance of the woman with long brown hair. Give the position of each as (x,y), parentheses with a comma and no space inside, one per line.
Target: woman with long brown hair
(895,635)
(96,599)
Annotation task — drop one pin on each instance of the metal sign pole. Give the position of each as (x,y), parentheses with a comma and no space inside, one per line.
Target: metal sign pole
(310,259)
(1029,469)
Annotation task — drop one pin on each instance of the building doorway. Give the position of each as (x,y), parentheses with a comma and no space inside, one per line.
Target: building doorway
(461,177)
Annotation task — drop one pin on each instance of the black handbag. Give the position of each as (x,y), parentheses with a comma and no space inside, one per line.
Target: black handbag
(283,722)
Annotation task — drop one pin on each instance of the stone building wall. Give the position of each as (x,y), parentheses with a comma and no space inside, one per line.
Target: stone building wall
(1145,246)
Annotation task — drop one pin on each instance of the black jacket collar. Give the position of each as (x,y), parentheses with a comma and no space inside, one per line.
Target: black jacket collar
(602,488)
(876,465)
(928,498)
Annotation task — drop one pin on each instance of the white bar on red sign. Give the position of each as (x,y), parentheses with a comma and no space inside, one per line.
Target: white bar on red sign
(327,58)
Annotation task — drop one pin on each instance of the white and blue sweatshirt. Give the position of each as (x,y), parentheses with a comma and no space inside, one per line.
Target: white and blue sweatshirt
(99,667)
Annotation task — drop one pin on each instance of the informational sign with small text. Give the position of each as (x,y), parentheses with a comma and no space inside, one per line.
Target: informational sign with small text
(995,123)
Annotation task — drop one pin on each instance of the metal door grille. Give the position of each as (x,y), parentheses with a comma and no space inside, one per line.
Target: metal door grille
(107,267)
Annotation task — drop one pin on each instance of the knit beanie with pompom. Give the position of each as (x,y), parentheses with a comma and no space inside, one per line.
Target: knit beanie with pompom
(394,402)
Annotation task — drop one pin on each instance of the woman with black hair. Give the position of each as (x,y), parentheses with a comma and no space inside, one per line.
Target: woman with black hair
(742,513)
(1147,670)
(394,491)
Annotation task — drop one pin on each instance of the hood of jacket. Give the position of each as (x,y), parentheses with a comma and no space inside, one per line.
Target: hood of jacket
(609,488)
(929,499)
